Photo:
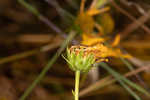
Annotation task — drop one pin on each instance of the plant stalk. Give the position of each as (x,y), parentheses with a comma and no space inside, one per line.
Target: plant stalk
(77,80)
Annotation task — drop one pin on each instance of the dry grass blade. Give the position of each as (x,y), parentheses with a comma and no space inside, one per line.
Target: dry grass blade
(133,26)
(144,27)
(18,56)
(125,82)
(131,68)
(138,62)
(108,80)
(25,54)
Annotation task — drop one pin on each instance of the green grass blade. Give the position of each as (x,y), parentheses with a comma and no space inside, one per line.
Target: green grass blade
(120,80)
(130,67)
(120,77)
(129,90)
(29,7)
(48,66)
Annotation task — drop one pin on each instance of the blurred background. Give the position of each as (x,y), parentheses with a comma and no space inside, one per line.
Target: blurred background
(28,41)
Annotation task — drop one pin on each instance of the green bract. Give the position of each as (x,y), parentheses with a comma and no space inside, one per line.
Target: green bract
(79,62)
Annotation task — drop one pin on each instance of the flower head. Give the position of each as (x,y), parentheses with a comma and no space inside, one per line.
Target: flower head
(78,61)
(99,51)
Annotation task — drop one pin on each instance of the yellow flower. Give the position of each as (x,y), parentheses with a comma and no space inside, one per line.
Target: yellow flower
(95,45)
(91,39)
(117,53)
(92,43)
(99,51)
(85,19)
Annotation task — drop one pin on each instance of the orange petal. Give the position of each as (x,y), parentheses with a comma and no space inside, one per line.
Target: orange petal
(91,39)
(82,6)
(116,41)
(95,11)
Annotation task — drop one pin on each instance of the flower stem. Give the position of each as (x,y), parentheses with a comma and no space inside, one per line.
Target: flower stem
(77,79)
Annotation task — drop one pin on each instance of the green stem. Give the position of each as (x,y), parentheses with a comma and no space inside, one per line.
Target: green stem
(29,7)
(77,80)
